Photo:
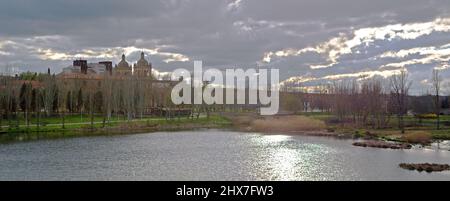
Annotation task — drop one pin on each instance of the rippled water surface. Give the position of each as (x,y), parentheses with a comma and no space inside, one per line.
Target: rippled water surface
(209,155)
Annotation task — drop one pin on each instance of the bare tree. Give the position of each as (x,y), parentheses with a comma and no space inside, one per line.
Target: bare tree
(372,104)
(9,96)
(116,102)
(128,90)
(107,91)
(62,102)
(25,101)
(49,93)
(3,96)
(400,85)
(436,82)
(140,96)
(89,103)
(38,106)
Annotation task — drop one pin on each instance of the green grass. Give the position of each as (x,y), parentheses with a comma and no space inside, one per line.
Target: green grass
(441,134)
(318,115)
(148,124)
(75,122)
(69,118)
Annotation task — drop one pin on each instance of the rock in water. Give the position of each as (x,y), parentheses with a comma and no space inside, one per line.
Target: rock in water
(428,167)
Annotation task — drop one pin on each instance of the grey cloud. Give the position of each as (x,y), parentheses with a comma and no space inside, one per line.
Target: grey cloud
(220,32)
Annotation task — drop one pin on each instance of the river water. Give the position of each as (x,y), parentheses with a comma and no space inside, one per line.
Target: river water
(210,155)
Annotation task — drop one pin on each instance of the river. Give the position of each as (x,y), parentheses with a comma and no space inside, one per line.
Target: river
(210,155)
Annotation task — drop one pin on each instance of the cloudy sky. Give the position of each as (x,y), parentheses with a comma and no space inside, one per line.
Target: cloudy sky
(310,41)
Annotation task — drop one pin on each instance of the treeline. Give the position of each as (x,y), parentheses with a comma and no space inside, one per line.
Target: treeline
(370,102)
(41,96)
(34,97)
(365,102)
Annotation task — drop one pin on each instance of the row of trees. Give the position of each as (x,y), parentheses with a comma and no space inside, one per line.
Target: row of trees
(48,96)
(368,102)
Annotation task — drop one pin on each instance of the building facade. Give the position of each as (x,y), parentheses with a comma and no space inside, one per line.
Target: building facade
(82,69)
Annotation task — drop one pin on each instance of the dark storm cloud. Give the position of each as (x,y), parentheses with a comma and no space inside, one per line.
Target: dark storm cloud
(304,38)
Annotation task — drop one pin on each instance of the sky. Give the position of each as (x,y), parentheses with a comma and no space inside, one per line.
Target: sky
(312,42)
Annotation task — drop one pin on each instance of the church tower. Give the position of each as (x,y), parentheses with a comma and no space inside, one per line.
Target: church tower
(123,68)
(142,68)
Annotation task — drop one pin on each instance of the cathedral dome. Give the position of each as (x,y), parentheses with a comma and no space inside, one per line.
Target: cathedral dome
(142,62)
(123,63)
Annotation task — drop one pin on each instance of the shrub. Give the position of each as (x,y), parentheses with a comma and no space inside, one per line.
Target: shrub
(358,134)
(421,137)
(426,116)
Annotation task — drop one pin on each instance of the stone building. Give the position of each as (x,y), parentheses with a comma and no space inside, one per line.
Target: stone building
(142,68)
(81,68)
(134,80)
(123,68)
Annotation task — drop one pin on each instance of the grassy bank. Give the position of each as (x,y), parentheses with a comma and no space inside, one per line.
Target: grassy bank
(278,124)
(83,128)
(416,131)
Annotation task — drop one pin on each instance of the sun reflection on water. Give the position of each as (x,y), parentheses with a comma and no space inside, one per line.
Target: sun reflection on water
(285,160)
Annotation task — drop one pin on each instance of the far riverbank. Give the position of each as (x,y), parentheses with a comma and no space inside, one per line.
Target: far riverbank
(311,125)
(83,129)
